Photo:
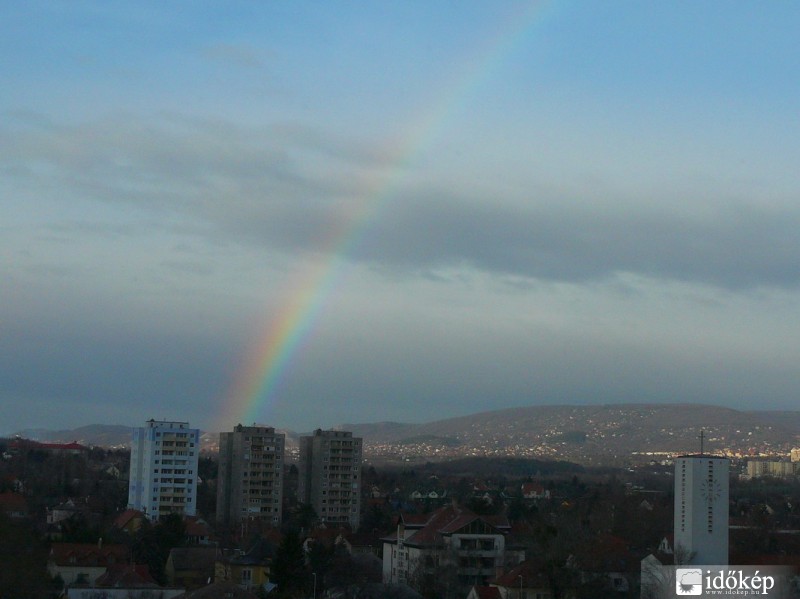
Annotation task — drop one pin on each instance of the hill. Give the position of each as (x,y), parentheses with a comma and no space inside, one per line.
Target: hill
(104,435)
(589,435)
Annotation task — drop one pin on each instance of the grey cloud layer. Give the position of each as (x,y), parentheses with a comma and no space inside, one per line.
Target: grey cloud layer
(738,248)
(257,186)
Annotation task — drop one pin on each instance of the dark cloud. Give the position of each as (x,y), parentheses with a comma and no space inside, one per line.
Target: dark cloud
(257,186)
(735,248)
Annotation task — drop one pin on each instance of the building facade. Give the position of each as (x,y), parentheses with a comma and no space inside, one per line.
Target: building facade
(250,479)
(330,476)
(778,469)
(163,478)
(701,510)
(451,547)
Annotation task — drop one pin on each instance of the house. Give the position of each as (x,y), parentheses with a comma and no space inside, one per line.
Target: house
(248,570)
(124,581)
(531,579)
(66,510)
(198,532)
(656,577)
(484,592)
(364,543)
(112,471)
(534,491)
(19,445)
(338,538)
(129,521)
(608,563)
(190,567)
(13,505)
(129,575)
(469,547)
(84,562)
(73,448)
(227,589)
(665,546)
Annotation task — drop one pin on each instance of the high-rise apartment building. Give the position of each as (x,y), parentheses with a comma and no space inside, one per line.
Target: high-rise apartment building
(163,478)
(330,476)
(250,479)
(701,510)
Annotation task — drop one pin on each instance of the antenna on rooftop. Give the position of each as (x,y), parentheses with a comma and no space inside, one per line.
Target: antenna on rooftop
(702,438)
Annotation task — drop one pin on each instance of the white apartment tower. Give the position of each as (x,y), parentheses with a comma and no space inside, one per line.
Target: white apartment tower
(163,477)
(330,476)
(250,480)
(701,510)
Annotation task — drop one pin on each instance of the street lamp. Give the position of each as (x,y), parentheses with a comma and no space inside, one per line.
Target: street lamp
(520,586)
(314,574)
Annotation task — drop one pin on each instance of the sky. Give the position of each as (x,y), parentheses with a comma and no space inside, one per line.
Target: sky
(305,214)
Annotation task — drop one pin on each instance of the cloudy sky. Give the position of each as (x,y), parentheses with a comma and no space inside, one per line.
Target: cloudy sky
(312,213)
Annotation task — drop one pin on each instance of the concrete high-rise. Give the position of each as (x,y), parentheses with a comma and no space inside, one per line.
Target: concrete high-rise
(163,477)
(701,510)
(330,476)
(250,479)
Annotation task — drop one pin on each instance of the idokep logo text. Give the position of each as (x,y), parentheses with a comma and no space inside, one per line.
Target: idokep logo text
(723,581)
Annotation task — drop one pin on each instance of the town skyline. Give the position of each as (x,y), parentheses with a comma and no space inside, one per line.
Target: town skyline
(310,215)
(610,435)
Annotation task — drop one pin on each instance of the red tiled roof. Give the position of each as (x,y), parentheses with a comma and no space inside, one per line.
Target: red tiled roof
(487,592)
(125,517)
(608,553)
(13,502)
(193,558)
(428,528)
(219,589)
(528,488)
(129,576)
(74,446)
(457,523)
(411,520)
(532,573)
(195,527)
(327,535)
(87,554)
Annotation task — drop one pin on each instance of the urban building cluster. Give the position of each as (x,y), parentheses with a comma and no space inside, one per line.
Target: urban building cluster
(778,468)
(454,534)
(164,462)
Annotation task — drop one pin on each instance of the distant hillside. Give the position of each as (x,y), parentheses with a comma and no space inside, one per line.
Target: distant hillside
(582,434)
(783,419)
(104,435)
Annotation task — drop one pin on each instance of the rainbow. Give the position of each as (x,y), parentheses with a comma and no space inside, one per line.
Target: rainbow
(257,384)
